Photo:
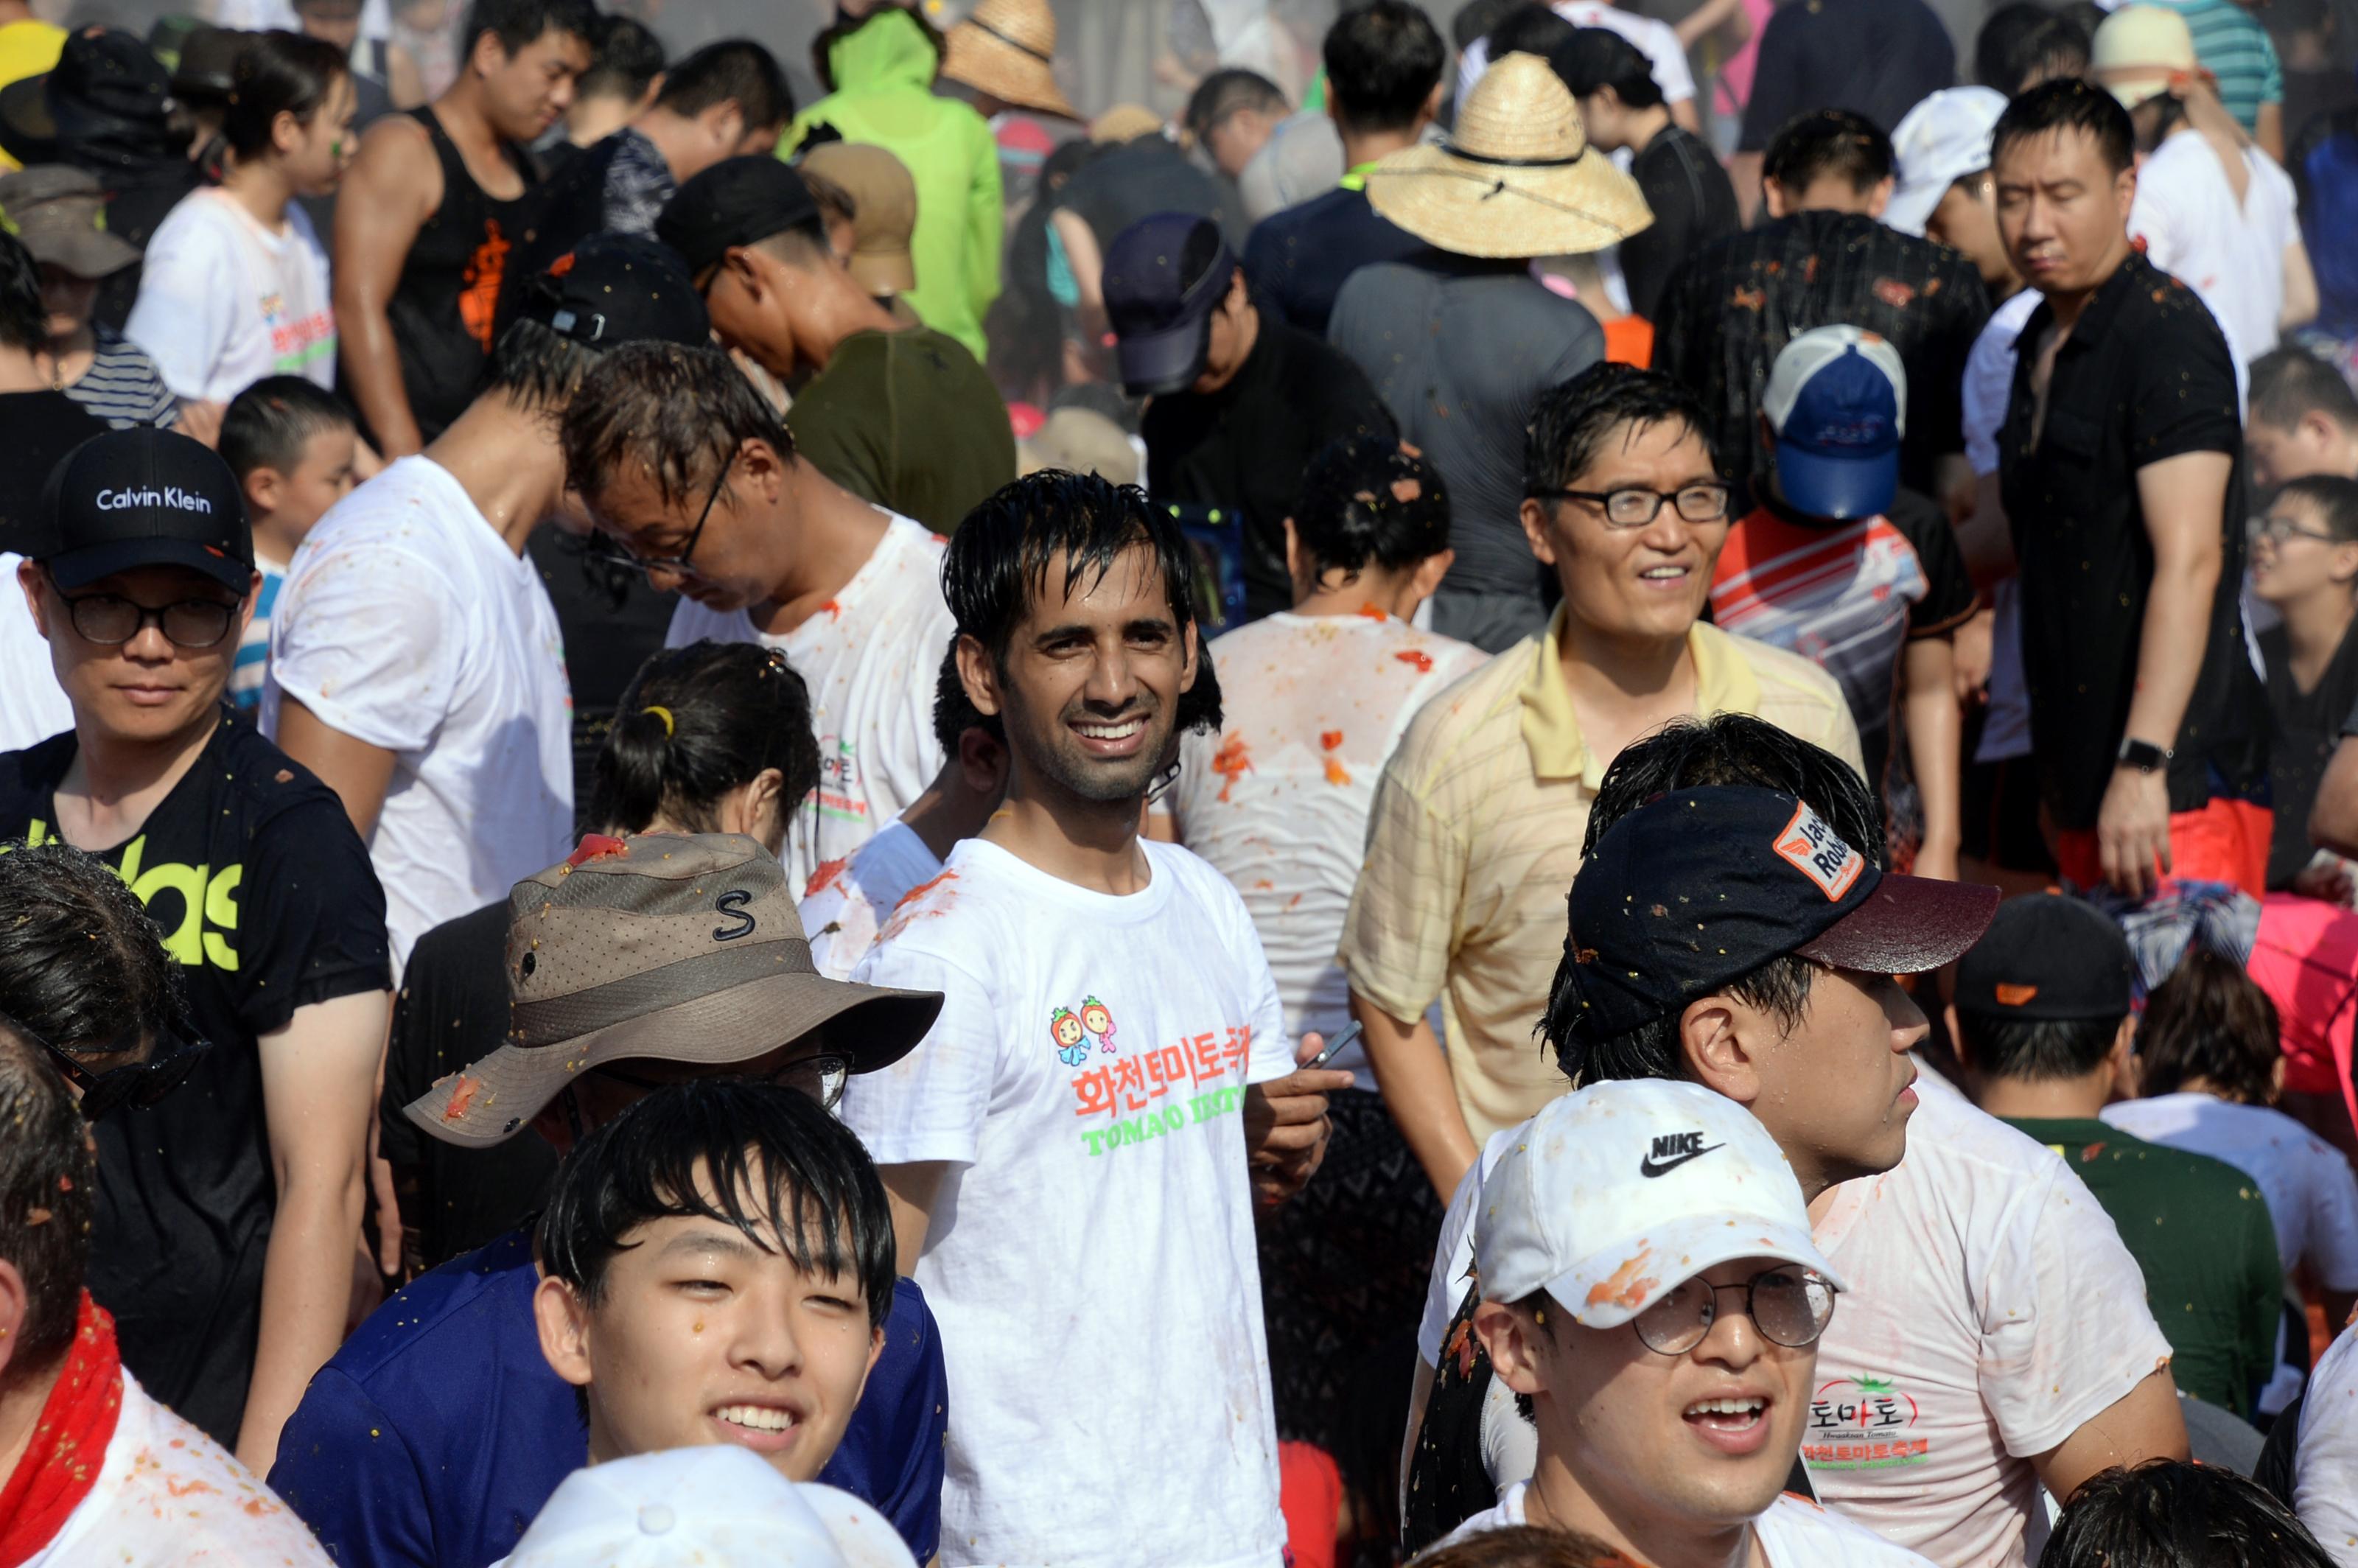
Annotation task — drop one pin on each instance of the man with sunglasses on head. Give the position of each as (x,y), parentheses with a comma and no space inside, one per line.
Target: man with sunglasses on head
(417,663)
(229,1213)
(1651,1292)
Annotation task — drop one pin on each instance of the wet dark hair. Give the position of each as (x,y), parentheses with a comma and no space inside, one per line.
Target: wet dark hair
(2036,1049)
(1839,144)
(2026,40)
(518,24)
(277,73)
(2173,1513)
(1382,60)
(81,964)
(1078,524)
(2209,1019)
(734,71)
(2069,103)
(2289,383)
(1570,422)
(683,412)
(625,57)
(1728,748)
(1226,93)
(733,709)
(1353,509)
(49,1199)
(269,424)
(771,1156)
(1525,1546)
(24,321)
(955,712)
(2335,498)
(537,366)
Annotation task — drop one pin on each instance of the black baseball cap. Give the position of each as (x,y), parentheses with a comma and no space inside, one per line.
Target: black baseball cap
(141,497)
(618,289)
(1165,275)
(106,88)
(737,201)
(2053,959)
(1701,886)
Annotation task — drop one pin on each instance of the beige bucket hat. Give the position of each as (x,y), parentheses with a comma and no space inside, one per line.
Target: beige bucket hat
(663,947)
(1008,48)
(1517,178)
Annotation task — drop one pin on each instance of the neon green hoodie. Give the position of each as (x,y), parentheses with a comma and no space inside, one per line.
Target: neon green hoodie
(884,95)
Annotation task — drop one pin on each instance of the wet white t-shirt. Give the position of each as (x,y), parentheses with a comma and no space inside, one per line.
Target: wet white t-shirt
(2313,1194)
(1794,1533)
(850,899)
(1091,1257)
(406,621)
(1279,801)
(224,301)
(2187,220)
(2325,1461)
(870,655)
(1992,1311)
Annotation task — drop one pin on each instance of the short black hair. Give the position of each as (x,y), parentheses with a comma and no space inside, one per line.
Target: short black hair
(685,412)
(81,964)
(625,57)
(2035,1050)
(955,712)
(277,73)
(1476,20)
(1819,144)
(48,1201)
(1593,58)
(519,24)
(2173,1513)
(1571,421)
(2289,381)
(1226,93)
(1534,29)
(24,321)
(1369,499)
(2211,1021)
(2335,498)
(1076,525)
(734,71)
(2026,40)
(268,425)
(2069,103)
(537,366)
(1382,60)
(696,722)
(768,1154)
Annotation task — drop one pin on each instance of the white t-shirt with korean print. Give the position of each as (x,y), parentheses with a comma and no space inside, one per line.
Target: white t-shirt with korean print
(1090,1257)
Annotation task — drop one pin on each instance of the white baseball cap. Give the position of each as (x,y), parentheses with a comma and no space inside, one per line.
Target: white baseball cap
(1614,1196)
(1944,138)
(719,1507)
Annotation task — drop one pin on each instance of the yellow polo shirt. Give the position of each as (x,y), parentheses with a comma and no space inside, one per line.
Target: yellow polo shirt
(1475,836)
(28,48)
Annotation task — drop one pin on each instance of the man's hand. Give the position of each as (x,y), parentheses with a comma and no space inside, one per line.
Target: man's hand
(2133,830)
(1286,1127)
(2327,877)
(200,421)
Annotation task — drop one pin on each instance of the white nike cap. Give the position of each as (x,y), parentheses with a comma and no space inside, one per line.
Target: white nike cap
(1944,138)
(1615,1195)
(719,1507)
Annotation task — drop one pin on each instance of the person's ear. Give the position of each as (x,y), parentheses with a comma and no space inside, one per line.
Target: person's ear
(1512,1340)
(750,800)
(487,56)
(1880,197)
(30,577)
(982,763)
(1772,196)
(1535,530)
(1430,110)
(2121,1061)
(2276,1080)
(2344,568)
(1719,1052)
(761,468)
(724,122)
(744,263)
(563,1322)
(1429,573)
(253,598)
(285,132)
(1957,1036)
(16,1306)
(2125,191)
(1195,649)
(978,674)
(1293,553)
(264,487)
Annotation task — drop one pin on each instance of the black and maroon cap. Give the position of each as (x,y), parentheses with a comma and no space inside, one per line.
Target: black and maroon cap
(1701,886)
(141,497)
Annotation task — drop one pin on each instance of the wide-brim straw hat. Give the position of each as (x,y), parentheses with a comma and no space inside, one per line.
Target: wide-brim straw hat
(1008,48)
(1516,179)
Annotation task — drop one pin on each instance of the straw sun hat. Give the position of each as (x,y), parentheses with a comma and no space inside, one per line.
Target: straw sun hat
(1008,48)
(1517,178)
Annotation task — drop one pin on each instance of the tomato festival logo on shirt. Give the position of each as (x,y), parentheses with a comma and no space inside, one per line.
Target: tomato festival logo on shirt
(1861,1423)
(840,793)
(1146,1094)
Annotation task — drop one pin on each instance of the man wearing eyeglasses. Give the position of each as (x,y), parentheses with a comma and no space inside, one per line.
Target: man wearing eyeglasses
(1477,827)
(417,663)
(1652,1295)
(230,1212)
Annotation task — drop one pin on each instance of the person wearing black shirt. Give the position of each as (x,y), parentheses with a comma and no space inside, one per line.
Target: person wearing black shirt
(2119,465)
(2305,568)
(1693,203)
(231,1212)
(1878,57)
(1241,403)
(1384,64)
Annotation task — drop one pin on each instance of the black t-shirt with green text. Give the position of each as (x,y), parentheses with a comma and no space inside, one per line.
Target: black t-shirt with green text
(265,895)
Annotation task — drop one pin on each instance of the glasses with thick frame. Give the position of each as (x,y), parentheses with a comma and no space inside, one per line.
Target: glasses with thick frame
(1634,506)
(109,619)
(134,1083)
(1790,1305)
(2276,530)
(678,565)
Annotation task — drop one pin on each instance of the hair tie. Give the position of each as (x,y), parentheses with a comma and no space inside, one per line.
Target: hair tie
(663,714)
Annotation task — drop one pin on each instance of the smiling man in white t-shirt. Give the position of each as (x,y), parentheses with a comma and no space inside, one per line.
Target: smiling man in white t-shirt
(697,478)
(1070,1153)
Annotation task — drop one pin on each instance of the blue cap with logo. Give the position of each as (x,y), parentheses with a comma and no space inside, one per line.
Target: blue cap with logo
(1837,404)
(141,497)
(1164,276)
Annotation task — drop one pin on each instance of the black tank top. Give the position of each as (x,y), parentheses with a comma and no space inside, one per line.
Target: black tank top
(444,308)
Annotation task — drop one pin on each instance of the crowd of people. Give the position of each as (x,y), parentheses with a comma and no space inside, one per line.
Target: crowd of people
(1559,787)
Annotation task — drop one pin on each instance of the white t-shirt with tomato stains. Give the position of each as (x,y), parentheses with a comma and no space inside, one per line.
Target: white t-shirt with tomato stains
(849,900)
(2325,1461)
(1794,1533)
(871,657)
(1090,1257)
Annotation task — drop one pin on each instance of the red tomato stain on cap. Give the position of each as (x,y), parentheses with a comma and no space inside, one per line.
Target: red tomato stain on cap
(596,846)
(1329,739)
(1231,761)
(1627,1284)
(463,1095)
(1423,661)
(1337,773)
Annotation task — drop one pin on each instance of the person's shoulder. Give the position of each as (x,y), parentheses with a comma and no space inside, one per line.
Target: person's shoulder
(448,1324)
(1920,519)
(401,511)
(2161,311)
(1467,720)
(180,1484)
(2196,1178)
(1782,675)
(27,777)
(1813,1534)
(1193,877)
(271,783)
(1385,285)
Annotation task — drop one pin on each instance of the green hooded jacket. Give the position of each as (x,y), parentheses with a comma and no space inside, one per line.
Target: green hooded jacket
(884,95)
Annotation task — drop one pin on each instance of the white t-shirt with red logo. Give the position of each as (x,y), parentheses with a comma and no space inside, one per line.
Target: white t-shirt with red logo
(1090,1257)
(224,301)
(871,657)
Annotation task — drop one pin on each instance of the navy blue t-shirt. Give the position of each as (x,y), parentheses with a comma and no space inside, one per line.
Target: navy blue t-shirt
(1296,261)
(436,1432)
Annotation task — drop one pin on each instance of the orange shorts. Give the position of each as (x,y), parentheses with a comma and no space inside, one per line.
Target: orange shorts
(2225,841)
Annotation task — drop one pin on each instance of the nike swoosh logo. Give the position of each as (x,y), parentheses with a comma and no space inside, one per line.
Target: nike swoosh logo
(1647,1167)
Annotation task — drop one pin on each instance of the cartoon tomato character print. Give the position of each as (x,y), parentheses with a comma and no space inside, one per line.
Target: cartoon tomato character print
(1098,1021)
(1072,1042)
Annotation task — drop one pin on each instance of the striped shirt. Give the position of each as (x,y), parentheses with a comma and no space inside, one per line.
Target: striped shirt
(2234,47)
(123,386)
(1475,834)
(253,660)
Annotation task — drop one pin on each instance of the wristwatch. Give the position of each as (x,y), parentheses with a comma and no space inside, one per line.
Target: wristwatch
(2143,755)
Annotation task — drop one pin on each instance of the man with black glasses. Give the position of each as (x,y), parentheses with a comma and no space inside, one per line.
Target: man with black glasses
(229,1213)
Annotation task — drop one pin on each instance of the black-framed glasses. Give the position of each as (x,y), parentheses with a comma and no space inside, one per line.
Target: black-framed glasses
(2276,530)
(677,565)
(134,1083)
(109,619)
(1633,506)
(1791,1306)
